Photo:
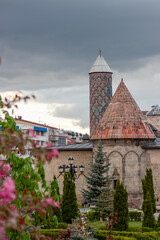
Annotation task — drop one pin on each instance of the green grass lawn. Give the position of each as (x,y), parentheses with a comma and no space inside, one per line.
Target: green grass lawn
(133,225)
(96,224)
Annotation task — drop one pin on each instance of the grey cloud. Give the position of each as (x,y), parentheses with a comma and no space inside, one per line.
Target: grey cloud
(48,47)
(76,29)
(78,112)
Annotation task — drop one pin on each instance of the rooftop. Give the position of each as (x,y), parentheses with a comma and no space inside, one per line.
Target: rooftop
(154,145)
(154,111)
(123,119)
(100,65)
(76,147)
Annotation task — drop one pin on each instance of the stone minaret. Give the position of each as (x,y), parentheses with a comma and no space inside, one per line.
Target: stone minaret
(100,78)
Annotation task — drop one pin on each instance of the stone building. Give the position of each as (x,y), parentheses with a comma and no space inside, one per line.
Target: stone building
(130,139)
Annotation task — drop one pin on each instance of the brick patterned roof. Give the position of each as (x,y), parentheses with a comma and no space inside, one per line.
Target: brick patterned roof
(123,119)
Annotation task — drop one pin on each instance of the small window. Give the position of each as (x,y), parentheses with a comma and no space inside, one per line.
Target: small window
(114,184)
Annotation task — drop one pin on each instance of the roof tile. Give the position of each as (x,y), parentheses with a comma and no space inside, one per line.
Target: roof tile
(123,119)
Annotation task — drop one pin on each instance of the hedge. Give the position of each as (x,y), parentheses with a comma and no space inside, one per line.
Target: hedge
(135,216)
(62,225)
(92,215)
(135,235)
(102,236)
(53,233)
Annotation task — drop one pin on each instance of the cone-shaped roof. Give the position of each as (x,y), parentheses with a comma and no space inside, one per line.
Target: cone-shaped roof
(123,119)
(100,65)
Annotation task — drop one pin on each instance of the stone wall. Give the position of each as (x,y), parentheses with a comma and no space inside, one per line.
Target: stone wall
(129,161)
(154,155)
(80,157)
(155,121)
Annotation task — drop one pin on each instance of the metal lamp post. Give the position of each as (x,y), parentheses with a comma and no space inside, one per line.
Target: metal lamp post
(71,168)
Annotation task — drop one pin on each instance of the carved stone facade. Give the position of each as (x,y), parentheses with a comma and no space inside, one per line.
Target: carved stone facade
(128,162)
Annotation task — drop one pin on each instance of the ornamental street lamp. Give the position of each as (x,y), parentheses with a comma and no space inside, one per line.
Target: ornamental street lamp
(71,168)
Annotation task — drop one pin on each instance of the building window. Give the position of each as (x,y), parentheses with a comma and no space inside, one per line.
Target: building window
(62,141)
(114,184)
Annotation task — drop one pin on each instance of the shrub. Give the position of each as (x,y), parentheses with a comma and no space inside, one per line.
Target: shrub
(133,235)
(53,233)
(92,215)
(147,229)
(148,186)
(102,236)
(69,201)
(120,205)
(158,229)
(148,218)
(135,216)
(62,225)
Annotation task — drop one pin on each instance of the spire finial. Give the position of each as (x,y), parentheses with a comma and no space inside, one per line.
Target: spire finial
(121,79)
(100,52)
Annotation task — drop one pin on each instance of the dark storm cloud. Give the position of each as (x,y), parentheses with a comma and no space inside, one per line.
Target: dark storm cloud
(48,46)
(72,31)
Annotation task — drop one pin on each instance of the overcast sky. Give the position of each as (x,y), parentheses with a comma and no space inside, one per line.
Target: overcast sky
(48,46)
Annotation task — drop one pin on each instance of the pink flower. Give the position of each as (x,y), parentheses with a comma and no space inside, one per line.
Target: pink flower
(31,131)
(49,156)
(55,152)
(56,204)
(49,201)
(4,169)
(48,144)
(12,207)
(7,193)
(9,184)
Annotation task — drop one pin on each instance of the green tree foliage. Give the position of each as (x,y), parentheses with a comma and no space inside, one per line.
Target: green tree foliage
(23,199)
(105,201)
(97,179)
(147,184)
(158,222)
(69,201)
(56,196)
(120,206)
(148,218)
(55,188)
(27,182)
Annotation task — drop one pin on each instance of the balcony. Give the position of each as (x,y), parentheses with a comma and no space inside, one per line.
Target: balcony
(53,138)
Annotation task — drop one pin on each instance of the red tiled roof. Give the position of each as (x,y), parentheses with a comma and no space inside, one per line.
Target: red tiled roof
(123,119)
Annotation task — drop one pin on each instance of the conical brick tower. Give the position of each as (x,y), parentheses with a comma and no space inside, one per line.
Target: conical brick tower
(123,119)
(100,79)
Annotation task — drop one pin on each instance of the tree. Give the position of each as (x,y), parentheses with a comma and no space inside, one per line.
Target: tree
(69,200)
(104,203)
(20,195)
(97,179)
(148,218)
(56,196)
(120,206)
(147,185)
(55,188)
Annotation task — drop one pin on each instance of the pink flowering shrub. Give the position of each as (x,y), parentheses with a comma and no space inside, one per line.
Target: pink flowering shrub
(20,195)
